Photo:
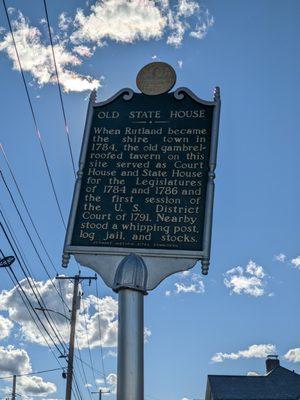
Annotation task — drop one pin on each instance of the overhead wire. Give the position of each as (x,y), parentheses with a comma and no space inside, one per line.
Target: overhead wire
(31,373)
(24,262)
(15,283)
(38,131)
(35,289)
(28,234)
(59,88)
(83,370)
(89,346)
(100,332)
(34,117)
(26,207)
(29,302)
(30,284)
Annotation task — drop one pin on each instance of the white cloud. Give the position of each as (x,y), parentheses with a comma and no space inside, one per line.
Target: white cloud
(280,257)
(188,284)
(64,22)
(296,262)
(111,354)
(250,280)
(125,22)
(11,302)
(5,327)
(147,334)
(202,27)
(254,351)
(180,64)
(14,361)
(36,58)
(293,355)
(112,382)
(119,20)
(252,373)
(185,273)
(83,51)
(35,386)
(87,325)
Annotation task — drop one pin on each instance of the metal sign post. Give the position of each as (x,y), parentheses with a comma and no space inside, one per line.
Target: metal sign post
(130,283)
(143,200)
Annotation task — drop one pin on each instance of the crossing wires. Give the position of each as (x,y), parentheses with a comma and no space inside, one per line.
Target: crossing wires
(38,134)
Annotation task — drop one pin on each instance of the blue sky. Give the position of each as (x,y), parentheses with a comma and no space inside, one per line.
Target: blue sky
(245,308)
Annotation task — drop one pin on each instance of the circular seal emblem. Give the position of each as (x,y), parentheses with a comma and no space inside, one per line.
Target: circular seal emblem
(156,78)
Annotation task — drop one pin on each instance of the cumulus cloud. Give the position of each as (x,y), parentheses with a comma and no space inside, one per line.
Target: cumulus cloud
(112,382)
(35,386)
(121,21)
(189,283)
(127,21)
(280,257)
(250,280)
(179,24)
(254,351)
(296,262)
(91,309)
(36,58)
(14,361)
(5,327)
(293,355)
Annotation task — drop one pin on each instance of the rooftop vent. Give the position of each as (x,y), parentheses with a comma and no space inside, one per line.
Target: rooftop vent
(271,363)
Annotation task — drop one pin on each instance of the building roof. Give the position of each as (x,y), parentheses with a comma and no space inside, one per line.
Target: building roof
(279,384)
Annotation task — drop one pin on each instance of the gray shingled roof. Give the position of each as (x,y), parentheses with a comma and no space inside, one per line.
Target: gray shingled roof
(279,384)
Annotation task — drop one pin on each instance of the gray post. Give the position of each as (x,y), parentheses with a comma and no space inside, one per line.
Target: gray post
(130,283)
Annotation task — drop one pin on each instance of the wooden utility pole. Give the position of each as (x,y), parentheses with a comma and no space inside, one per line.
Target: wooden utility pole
(13,395)
(75,306)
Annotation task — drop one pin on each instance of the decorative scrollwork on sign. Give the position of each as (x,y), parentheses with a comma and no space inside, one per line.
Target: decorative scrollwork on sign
(179,94)
(128,94)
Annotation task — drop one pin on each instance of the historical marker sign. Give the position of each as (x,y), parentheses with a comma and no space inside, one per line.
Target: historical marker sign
(145,183)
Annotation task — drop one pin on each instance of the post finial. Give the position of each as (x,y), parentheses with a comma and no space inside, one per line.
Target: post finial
(131,274)
(205,266)
(93,96)
(217,94)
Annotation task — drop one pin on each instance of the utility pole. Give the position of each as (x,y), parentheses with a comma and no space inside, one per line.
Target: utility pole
(13,395)
(75,306)
(101,392)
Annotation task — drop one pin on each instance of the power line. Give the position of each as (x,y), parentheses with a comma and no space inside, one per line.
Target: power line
(89,347)
(59,88)
(26,207)
(100,333)
(28,300)
(28,234)
(30,284)
(15,283)
(34,117)
(31,373)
